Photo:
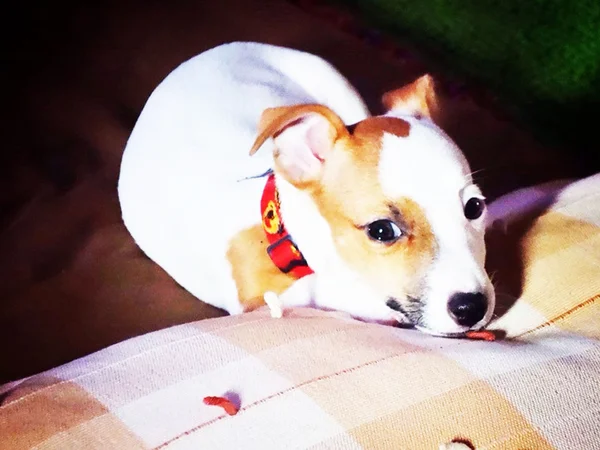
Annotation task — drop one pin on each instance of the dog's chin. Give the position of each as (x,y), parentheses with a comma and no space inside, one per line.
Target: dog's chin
(402,322)
(458,332)
(446,334)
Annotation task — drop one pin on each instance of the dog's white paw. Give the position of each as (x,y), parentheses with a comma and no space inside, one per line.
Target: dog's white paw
(274,303)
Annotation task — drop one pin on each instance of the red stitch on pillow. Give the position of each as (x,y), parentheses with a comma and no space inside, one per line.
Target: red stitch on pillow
(483,335)
(224,403)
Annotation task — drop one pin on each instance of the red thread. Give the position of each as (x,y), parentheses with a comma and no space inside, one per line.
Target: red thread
(224,403)
(483,335)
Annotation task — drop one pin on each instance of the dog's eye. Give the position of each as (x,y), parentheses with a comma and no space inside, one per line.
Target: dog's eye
(384,231)
(474,208)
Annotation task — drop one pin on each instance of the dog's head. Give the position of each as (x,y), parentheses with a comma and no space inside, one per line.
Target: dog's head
(390,199)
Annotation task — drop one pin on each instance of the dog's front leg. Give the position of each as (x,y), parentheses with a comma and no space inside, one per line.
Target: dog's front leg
(301,293)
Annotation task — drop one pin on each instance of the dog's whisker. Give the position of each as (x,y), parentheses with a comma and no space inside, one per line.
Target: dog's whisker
(476,175)
(478,171)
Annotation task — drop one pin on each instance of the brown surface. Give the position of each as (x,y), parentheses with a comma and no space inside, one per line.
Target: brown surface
(72,281)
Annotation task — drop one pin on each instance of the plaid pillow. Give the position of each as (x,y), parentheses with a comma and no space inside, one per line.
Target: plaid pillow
(317,379)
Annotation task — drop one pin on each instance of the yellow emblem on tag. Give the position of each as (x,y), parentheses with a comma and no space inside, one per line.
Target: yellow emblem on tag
(271,221)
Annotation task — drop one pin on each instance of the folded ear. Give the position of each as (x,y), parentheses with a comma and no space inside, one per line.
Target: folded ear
(417,97)
(303,135)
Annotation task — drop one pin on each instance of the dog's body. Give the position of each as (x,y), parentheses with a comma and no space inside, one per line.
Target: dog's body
(191,194)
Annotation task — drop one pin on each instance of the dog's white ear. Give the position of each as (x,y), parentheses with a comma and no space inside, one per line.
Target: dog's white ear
(303,135)
(417,98)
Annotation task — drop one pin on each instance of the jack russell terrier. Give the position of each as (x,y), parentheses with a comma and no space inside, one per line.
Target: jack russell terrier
(256,172)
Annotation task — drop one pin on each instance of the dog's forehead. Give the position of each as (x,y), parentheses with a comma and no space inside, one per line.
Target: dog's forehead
(425,165)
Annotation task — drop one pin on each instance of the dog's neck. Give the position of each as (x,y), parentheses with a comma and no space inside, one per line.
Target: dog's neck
(282,249)
(310,230)
(253,270)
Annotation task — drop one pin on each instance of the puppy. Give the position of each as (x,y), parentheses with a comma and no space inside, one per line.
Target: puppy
(333,208)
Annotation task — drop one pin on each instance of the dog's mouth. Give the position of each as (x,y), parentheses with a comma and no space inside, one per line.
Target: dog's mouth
(409,312)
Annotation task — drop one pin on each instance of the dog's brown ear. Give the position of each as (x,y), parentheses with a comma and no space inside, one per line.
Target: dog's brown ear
(303,136)
(418,97)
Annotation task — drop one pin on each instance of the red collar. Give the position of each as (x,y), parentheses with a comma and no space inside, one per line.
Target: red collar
(282,249)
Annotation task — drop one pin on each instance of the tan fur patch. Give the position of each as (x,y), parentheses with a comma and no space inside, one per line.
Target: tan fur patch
(350,197)
(373,128)
(252,269)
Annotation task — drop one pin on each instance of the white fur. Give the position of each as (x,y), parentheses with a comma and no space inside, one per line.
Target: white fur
(179,187)
(185,192)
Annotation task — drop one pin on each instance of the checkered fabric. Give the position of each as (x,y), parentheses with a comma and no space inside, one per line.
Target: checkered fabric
(322,380)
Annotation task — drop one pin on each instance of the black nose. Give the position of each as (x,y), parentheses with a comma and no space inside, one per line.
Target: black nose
(467,308)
